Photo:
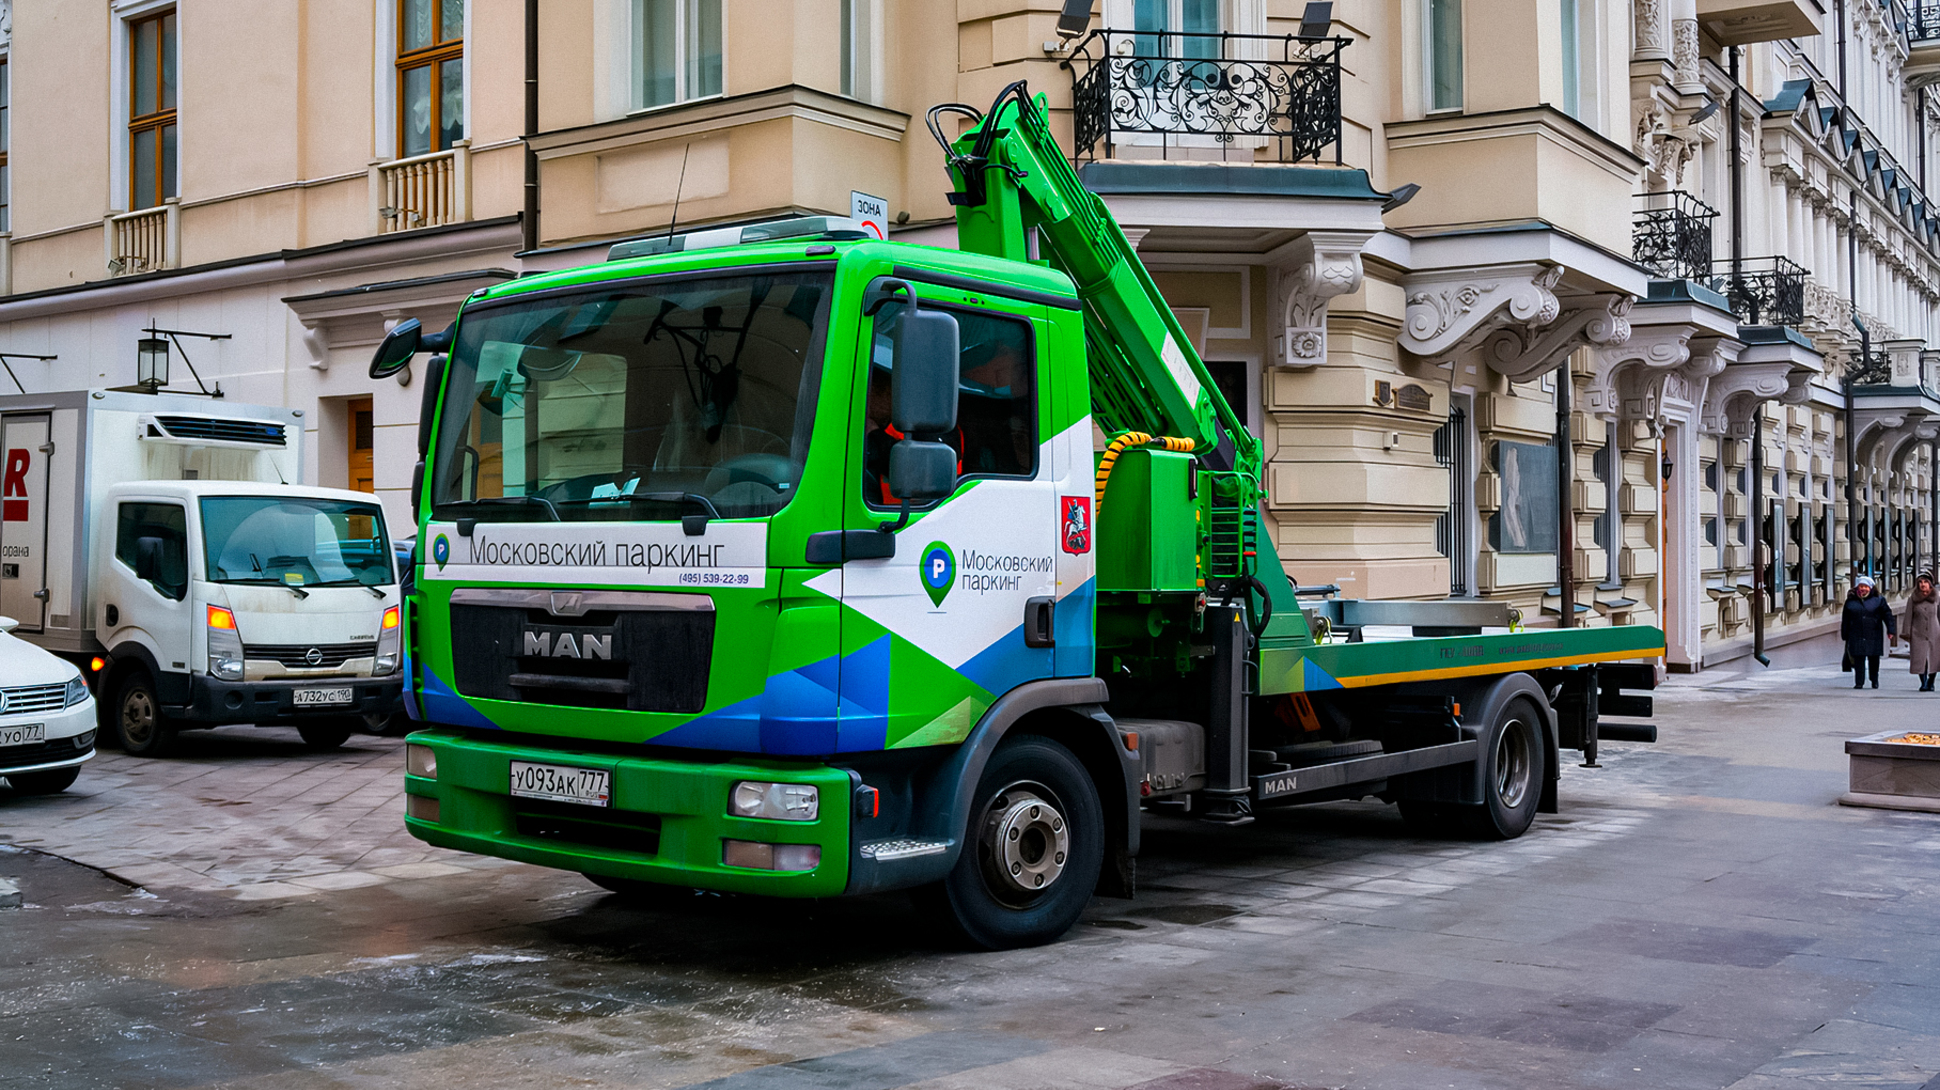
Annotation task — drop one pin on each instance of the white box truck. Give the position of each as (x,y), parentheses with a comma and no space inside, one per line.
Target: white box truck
(156,541)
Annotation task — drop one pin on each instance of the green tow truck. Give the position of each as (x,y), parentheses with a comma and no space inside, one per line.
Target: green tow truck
(782,559)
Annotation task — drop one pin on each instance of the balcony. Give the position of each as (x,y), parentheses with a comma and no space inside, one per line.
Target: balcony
(1670,234)
(1237,95)
(142,241)
(1874,368)
(422,191)
(1766,291)
(1922,25)
(1743,22)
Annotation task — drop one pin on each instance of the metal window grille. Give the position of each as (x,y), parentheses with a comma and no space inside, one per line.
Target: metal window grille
(1452,525)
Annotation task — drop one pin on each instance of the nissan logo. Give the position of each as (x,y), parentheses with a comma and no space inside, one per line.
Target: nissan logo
(314,656)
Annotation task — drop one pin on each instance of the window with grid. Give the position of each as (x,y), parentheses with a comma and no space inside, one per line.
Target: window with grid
(430,75)
(151,110)
(677,50)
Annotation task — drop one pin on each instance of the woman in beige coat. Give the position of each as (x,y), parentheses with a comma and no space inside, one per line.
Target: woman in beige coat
(1922,630)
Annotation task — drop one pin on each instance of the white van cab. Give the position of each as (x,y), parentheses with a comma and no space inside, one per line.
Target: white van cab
(46,717)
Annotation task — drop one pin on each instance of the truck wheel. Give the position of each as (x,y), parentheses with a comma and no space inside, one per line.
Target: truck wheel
(324,735)
(1512,773)
(1031,856)
(139,723)
(44,783)
(386,724)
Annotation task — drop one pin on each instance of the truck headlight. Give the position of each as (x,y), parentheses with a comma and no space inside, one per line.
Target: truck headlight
(779,801)
(225,645)
(387,645)
(77,690)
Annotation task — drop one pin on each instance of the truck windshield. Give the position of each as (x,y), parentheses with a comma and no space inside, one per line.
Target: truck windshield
(645,400)
(295,542)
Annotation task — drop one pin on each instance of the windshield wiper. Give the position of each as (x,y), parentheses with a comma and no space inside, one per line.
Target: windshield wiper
(693,525)
(539,501)
(375,592)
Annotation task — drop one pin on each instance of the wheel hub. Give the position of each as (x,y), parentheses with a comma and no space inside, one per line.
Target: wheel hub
(1512,765)
(137,716)
(1027,840)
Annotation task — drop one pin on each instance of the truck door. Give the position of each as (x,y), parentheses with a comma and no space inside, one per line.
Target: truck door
(959,615)
(145,585)
(24,451)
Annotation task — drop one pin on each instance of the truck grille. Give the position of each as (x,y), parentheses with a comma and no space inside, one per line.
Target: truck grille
(34,698)
(636,660)
(612,830)
(296,656)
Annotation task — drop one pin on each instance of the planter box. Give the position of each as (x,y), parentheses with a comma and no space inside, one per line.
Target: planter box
(1892,774)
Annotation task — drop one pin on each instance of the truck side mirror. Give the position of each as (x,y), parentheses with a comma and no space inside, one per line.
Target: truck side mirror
(923,384)
(397,348)
(920,470)
(148,558)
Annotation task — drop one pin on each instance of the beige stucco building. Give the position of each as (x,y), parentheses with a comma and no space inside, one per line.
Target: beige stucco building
(1412,238)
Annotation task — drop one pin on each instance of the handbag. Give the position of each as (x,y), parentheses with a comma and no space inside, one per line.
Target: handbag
(1845,662)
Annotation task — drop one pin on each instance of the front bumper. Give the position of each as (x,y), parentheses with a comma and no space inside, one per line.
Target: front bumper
(214,701)
(69,740)
(667,821)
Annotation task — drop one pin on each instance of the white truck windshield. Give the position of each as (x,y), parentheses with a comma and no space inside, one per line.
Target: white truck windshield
(647,400)
(295,542)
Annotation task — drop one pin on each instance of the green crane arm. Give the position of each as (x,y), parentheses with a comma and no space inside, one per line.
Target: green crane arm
(1012,182)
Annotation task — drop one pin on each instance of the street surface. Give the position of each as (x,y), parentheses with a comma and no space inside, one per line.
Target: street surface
(1701,914)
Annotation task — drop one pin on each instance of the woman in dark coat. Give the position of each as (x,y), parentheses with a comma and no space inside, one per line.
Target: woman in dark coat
(1923,630)
(1860,626)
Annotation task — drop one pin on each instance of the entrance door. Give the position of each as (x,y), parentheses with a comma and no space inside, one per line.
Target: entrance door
(24,451)
(362,478)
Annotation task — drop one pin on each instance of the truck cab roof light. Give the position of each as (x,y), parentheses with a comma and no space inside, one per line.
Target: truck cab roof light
(839,228)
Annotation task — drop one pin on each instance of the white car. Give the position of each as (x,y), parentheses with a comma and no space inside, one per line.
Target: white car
(46,717)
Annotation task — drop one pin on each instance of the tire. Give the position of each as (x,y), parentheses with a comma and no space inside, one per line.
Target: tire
(328,734)
(1032,853)
(139,723)
(1513,767)
(44,783)
(387,725)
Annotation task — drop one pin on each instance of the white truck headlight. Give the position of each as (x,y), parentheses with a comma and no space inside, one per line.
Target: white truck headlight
(77,690)
(225,645)
(421,761)
(387,645)
(779,801)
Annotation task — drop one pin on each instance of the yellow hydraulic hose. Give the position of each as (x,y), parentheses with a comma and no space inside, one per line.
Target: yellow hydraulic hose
(1118,446)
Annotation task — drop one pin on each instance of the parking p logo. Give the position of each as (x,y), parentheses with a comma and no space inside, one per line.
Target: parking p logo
(939,571)
(441,551)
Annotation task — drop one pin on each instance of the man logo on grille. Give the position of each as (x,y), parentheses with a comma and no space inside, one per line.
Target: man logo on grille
(314,656)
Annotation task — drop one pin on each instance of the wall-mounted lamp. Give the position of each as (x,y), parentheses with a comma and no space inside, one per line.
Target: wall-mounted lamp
(151,363)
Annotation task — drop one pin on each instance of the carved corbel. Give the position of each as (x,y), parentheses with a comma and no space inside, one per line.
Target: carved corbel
(316,341)
(1452,312)
(1733,396)
(1653,350)
(1519,353)
(1312,269)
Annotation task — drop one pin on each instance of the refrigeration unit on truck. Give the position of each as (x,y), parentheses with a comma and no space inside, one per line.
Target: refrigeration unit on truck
(161,542)
(781,559)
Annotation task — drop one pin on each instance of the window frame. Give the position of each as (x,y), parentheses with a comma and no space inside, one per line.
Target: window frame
(1431,105)
(685,11)
(154,124)
(431,57)
(189,569)
(875,503)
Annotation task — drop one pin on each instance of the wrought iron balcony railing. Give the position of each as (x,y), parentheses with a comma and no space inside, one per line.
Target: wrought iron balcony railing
(1670,234)
(1165,89)
(1872,368)
(1921,22)
(1762,290)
